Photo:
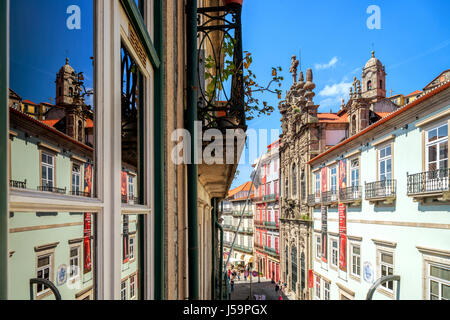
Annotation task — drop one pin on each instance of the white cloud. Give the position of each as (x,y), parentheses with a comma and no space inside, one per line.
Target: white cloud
(337,89)
(328,65)
(334,94)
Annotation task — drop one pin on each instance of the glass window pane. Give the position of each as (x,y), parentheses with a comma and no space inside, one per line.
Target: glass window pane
(443,150)
(51,75)
(432,153)
(432,135)
(382,153)
(434,287)
(443,131)
(445,291)
(441,273)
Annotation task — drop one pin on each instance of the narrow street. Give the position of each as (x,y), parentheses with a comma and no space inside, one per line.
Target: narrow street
(265,287)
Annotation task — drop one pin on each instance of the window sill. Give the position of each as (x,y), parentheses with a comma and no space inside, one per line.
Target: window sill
(389,294)
(382,200)
(44,295)
(356,278)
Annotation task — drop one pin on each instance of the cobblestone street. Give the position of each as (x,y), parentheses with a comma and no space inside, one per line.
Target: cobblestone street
(265,287)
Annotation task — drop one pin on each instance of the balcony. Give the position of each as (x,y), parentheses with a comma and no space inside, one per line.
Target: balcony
(245,249)
(79,193)
(18,184)
(433,185)
(314,199)
(270,197)
(52,189)
(227,227)
(270,225)
(271,251)
(246,214)
(351,195)
(381,191)
(131,200)
(330,198)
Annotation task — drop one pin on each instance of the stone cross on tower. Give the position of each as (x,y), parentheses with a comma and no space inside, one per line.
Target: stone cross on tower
(294,66)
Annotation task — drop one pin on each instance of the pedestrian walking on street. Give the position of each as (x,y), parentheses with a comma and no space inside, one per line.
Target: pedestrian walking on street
(277,288)
(232,285)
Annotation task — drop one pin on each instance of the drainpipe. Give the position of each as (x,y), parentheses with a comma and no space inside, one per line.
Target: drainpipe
(4,119)
(159,276)
(219,271)
(192,170)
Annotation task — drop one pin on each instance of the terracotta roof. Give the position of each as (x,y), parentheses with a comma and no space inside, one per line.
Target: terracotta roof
(244,187)
(43,125)
(89,123)
(382,114)
(332,118)
(29,102)
(430,94)
(51,123)
(414,93)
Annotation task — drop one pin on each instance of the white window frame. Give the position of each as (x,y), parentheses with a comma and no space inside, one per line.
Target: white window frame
(131,247)
(77,275)
(333,251)
(317,287)
(48,266)
(383,161)
(436,143)
(76,188)
(124,290)
(353,168)
(326,291)
(46,165)
(318,246)
(333,179)
(352,255)
(440,281)
(133,287)
(382,249)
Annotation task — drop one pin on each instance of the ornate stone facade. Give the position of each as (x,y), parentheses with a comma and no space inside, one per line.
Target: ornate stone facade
(306,134)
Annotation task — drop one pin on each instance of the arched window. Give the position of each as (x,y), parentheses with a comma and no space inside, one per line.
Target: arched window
(303,185)
(381,84)
(80,131)
(286,186)
(294,267)
(369,85)
(60,91)
(70,92)
(302,270)
(354,125)
(294,180)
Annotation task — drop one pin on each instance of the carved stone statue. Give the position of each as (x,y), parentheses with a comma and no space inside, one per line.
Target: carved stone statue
(294,66)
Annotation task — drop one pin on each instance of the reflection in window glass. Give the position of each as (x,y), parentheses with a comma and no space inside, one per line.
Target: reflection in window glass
(130,254)
(52,119)
(55,246)
(51,95)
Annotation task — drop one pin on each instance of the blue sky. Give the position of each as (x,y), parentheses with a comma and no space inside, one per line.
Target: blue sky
(335,42)
(40,42)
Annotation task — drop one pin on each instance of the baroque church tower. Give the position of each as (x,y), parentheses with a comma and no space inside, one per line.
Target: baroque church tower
(374,79)
(69,98)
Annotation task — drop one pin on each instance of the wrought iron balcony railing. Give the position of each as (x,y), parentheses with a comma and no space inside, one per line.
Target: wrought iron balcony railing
(227,227)
(270,197)
(245,249)
(314,199)
(381,189)
(80,193)
(219,30)
(270,224)
(428,182)
(18,184)
(330,197)
(350,194)
(259,223)
(52,189)
(271,251)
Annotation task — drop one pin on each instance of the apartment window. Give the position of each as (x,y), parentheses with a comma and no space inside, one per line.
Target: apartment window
(76,179)
(318,287)
(334,252)
(326,290)
(318,247)
(437,148)
(131,247)
(354,169)
(317,179)
(133,287)
(48,170)
(123,290)
(355,260)
(44,270)
(385,163)
(386,269)
(74,270)
(130,187)
(333,179)
(438,282)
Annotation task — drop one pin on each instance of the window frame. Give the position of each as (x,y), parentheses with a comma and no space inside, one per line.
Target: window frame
(436,143)
(385,160)
(353,275)
(332,251)
(77,277)
(47,167)
(389,249)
